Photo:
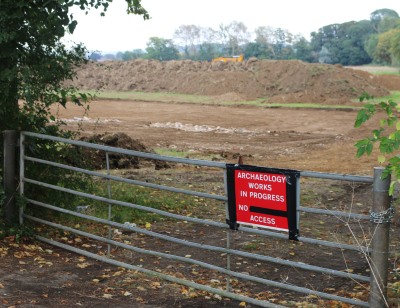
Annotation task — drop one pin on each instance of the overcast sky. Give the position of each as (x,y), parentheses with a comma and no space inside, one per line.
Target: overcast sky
(118,31)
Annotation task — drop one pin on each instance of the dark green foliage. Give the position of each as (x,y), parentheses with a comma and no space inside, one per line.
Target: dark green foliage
(258,50)
(34,63)
(349,43)
(19,232)
(387,136)
(161,49)
(344,42)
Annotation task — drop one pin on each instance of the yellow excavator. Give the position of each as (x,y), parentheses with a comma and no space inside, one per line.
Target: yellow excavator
(239,58)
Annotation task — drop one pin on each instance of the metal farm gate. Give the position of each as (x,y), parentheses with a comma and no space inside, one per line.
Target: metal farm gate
(365,259)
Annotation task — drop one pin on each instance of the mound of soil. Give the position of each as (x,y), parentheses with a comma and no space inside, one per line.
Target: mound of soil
(391,82)
(119,161)
(277,81)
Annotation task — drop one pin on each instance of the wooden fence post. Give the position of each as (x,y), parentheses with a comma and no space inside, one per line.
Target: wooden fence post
(10,176)
(381,215)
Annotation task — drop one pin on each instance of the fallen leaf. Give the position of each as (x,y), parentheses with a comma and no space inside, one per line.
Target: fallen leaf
(126,293)
(107,296)
(155,285)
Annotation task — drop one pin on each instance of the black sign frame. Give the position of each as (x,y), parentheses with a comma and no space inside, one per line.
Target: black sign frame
(292,176)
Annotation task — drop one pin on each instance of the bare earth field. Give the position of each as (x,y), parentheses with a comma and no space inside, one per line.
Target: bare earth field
(304,139)
(320,140)
(37,275)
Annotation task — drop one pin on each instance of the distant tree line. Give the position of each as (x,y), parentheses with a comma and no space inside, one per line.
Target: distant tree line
(376,40)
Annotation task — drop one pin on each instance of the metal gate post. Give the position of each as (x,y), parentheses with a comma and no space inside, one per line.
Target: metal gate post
(109,205)
(21,174)
(380,217)
(228,236)
(10,176)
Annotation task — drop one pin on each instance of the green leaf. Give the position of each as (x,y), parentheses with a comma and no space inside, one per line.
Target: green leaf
(391,187)
(360,151)
(381,159)
(72,26)
(369,148)
(377,133)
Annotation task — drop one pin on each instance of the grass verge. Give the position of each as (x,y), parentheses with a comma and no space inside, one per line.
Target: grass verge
(206,100)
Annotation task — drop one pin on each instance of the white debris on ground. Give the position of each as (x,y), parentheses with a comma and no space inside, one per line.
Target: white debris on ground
(200,128)
(90,120)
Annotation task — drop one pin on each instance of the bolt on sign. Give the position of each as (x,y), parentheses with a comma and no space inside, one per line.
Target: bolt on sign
(263,197)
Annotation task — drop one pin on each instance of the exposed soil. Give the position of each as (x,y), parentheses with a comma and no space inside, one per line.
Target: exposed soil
(302,139)
(275,81)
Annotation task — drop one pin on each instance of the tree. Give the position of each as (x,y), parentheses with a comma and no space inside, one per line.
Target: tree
(209,35)
(95,56)
(382,52)
(388,23)
(387,49)
(232,37)
(378,16)
(344,42)
(33,60)
(282,40)
(109,56)
(238,36)
(188,36)
(395,46)
(34,63)
(303,50)
(130,55)
(208,51)
(370,45)
(258,50)
(161,49)
(276,41)
(264,40)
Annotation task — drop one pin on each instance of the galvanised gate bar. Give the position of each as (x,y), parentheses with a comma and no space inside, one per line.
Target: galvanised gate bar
(372,257)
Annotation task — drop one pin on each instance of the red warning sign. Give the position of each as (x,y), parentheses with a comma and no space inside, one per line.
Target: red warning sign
(262,197)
